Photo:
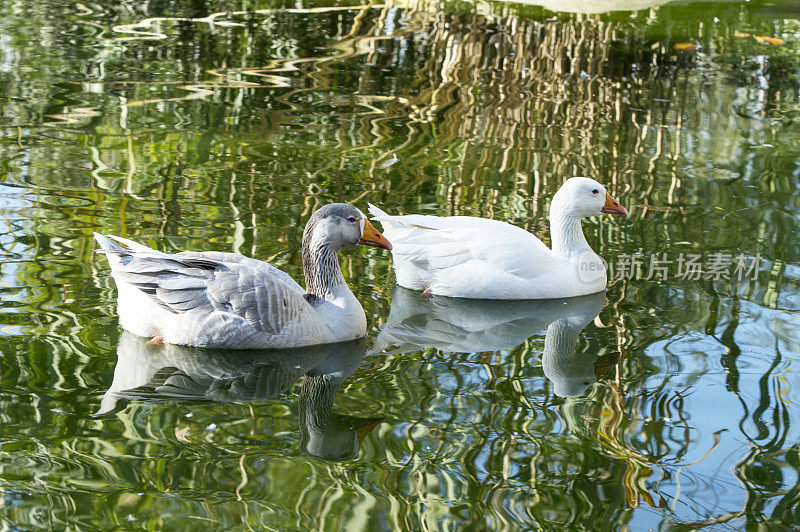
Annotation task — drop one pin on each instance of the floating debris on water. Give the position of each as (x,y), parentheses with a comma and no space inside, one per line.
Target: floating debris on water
(684,47)
(390,162)
(654,208)
(777,41)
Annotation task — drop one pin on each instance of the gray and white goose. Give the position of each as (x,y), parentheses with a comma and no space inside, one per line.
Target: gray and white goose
(226,300)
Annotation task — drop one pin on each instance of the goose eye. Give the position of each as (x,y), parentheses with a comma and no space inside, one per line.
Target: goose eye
(351,219)
(595,191)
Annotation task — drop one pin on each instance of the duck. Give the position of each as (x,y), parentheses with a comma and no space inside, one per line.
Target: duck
(480,258)
(226,300)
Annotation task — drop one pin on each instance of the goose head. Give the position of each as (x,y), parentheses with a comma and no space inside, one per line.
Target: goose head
(581,197)
(338,226)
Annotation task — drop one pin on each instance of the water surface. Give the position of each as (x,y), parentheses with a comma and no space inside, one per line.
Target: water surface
(222,125)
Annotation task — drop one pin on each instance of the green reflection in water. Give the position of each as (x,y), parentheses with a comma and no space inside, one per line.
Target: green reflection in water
(223,125)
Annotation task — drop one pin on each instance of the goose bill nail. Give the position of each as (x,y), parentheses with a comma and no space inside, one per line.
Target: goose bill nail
(371,237)
(612,206)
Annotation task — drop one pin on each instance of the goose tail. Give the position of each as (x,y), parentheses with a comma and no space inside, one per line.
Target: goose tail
(376,212)
(107,245)
(120,251)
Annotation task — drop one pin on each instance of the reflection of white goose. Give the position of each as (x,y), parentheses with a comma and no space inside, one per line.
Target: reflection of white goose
(469,325)
(157,373)
(570,372)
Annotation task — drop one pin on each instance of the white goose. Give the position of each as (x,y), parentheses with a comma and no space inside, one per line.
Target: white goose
(468,257)
(225,300)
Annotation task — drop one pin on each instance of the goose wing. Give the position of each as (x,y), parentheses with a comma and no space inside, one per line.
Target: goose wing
(463,249)
(267,298)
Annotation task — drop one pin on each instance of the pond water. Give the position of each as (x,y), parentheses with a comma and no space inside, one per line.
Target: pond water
(670,401)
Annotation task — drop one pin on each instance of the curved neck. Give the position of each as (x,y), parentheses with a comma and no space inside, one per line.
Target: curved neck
(566,234)
(321,268)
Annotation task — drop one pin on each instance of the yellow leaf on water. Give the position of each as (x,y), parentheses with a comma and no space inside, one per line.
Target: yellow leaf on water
(771,40)
(684,46)
(768,40)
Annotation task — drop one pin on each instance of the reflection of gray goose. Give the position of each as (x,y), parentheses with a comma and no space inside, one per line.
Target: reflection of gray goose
(322,433)
(469,325)
(157,373)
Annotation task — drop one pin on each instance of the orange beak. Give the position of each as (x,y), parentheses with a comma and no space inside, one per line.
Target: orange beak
(371,237)
(612,206)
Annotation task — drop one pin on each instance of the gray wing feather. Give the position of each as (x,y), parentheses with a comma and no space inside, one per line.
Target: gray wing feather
(257,295)
(209,282)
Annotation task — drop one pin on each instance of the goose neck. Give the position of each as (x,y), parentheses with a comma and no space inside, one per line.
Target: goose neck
(567,235)
(321,269)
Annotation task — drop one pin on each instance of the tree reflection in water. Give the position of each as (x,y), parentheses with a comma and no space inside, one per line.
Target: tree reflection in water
(223,125)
